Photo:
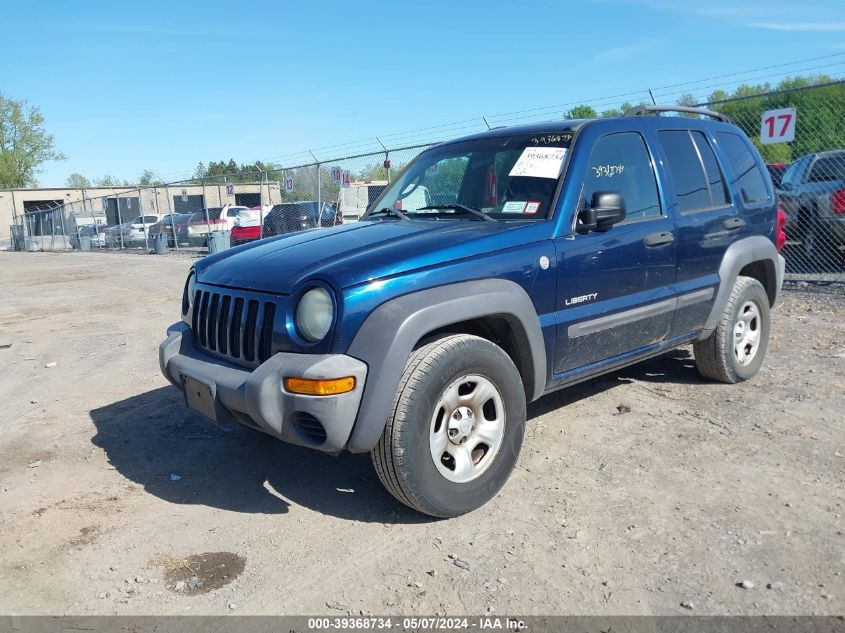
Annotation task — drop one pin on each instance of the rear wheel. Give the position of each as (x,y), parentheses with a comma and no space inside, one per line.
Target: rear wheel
(820,249)
(735,350)
(456,428)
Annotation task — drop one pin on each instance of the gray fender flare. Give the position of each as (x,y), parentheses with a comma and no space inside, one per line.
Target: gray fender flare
(388,336)
(738,255)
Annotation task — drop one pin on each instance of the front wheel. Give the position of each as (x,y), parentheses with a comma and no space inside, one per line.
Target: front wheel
(456,427)
(735,350)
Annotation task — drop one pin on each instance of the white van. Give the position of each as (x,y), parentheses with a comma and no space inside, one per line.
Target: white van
(355,198)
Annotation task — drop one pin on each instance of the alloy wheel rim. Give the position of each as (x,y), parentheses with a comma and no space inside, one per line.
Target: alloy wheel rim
(467,428)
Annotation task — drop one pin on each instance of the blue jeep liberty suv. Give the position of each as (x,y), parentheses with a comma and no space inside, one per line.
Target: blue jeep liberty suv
(494,269)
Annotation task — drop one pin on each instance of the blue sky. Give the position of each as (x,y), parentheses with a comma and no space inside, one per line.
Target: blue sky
(163,85)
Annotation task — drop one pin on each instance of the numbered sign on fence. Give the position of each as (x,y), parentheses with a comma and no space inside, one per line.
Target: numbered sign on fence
(288,184)
(184,195)
(777,126)
(337,175)
(230,189)
(345,178)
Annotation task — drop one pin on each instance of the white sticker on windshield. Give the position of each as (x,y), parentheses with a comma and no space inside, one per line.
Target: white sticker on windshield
(513,206)
(539,162)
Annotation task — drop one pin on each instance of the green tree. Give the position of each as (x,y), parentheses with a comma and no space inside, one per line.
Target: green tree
(611,113)
(719,95)
(581,112)
(110,181)
(25,145)
(77,181)
(231,171)
(149,178)
(377,171)
(819,124)
(615,112)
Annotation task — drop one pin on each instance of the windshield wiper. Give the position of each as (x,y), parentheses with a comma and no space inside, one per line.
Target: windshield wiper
(389,211)
(462,208)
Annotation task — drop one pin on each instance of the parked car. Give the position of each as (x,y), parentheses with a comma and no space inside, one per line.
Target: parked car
(776,171)
(812,193)
(113,235)
(137,231)
(298,216)
(94,233)
(213,219)
(573,248)
(248,224)
(176,227)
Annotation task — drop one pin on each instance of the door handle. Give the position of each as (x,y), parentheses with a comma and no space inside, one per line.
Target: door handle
(733,223)
(659,239)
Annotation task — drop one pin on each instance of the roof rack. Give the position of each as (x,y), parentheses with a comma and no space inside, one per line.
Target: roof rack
(645,110)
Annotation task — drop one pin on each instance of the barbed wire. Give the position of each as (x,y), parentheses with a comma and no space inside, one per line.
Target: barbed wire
(394,141)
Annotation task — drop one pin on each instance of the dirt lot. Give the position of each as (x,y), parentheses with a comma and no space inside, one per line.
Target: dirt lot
(115,499)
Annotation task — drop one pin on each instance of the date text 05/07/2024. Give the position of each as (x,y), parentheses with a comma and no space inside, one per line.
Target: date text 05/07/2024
(485,623)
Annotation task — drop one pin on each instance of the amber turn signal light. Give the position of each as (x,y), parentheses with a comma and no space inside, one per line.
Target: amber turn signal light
(320,387)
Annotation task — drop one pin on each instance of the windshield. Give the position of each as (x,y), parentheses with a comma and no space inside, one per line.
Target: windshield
(506,177)
(213,214)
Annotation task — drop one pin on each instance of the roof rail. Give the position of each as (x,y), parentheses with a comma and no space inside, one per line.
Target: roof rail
(645,110)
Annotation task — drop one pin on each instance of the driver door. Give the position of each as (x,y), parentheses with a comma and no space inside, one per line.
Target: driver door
(616,294)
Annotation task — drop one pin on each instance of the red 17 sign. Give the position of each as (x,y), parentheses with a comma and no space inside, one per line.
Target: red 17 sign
(777,126)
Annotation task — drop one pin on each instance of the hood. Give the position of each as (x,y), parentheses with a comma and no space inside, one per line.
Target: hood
(350,254)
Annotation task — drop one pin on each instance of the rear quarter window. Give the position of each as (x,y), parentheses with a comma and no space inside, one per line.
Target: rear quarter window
(746,177)
(828,169)
(212,214)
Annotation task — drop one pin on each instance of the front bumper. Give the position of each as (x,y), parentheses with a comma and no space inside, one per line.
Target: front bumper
(257,399)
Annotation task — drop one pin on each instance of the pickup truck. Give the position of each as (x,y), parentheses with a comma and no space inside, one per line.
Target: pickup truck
(213,219)
(546,255)
(812,193)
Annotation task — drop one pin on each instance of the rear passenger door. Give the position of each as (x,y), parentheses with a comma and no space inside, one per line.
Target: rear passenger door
(707,222)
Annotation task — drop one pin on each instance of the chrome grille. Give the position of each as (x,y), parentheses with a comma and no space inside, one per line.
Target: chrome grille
(240,328)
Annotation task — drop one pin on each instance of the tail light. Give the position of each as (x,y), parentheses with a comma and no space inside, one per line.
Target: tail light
(491,188)
(837,202)
(781,222)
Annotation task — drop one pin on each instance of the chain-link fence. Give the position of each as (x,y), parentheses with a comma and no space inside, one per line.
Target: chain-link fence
(212,213)
(800,133)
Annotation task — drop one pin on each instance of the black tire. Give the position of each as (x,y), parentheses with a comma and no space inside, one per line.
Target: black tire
(403,459)
(820,248)
(716,357)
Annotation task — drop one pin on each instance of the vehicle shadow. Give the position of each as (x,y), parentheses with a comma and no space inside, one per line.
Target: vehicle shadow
(674,367)
(151,437)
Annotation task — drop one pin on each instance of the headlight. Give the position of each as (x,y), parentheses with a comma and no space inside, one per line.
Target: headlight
(189,292)
(314,314)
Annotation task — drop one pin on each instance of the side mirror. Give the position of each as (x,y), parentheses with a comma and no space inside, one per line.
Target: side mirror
(606,209)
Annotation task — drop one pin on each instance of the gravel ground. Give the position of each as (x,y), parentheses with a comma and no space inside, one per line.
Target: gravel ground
(648,491)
